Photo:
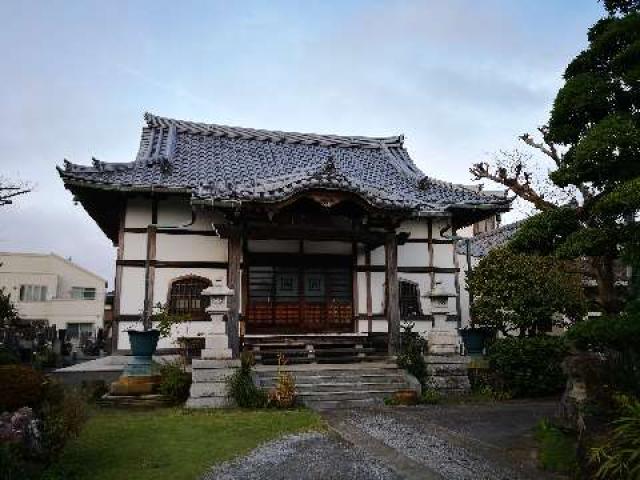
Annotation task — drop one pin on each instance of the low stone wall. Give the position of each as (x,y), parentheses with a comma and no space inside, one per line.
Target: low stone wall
(448,374)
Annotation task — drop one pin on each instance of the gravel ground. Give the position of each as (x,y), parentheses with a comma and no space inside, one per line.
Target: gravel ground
(309,456)
(450,461)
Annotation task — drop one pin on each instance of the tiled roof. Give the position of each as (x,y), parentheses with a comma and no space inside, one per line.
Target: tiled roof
(233,163)
(482,244)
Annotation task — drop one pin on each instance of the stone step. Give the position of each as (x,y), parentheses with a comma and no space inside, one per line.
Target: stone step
(322,405)
(209,402)
(338,387)
(338,379)
(347,394)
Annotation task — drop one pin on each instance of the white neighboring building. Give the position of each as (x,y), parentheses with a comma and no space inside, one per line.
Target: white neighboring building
(48,287)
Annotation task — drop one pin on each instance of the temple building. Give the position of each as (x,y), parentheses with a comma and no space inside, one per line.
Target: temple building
(318,235)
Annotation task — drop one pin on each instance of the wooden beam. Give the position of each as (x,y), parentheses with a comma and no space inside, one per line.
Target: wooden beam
(393,295)
(233,281)
(354,280)
(149,276)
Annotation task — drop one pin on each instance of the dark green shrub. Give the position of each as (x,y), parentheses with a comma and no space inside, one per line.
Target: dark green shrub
(599,334)
(241,387)
(20,386)
(412,348)
(63,412)
(8,357)
(94,390)
(175,382)
(529,367)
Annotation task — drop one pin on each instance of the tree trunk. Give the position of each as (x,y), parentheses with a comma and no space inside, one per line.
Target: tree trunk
(603,271)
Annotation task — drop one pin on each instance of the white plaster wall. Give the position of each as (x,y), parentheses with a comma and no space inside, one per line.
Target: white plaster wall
(362,292)
(413,255)
(134,246)
(377,292)
(377,256)
(138,212)
(190,248)
(443,255)
(418,228)
(132,291)
(174,211)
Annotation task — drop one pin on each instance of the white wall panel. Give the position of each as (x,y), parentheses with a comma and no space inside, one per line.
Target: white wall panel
(413,255)
(138,212)
(135,246)
(132,291)
(164,276)
(190,248)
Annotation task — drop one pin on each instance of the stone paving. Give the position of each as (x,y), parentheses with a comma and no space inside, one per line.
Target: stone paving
(453,442)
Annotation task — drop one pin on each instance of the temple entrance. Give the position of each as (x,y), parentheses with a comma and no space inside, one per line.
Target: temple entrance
(290,293)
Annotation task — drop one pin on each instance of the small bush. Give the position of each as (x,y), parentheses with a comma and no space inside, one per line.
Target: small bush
(431,397)
(19,387)
(557,448)
(62,413)
(411,358)
(175,382)
(283,395)
(241,387)
(619,456)
(529,366)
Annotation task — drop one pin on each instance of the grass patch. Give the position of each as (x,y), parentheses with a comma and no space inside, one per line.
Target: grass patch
(171,444)
(556,448)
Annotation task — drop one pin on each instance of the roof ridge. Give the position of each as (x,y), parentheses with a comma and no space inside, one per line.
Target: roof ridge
(274,135)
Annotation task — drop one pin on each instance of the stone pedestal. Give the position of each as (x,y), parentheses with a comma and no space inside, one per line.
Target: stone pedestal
(443,342)
(448,374)
(209,386)
(216,344)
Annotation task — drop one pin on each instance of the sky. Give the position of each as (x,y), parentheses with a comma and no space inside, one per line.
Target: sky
(461,79)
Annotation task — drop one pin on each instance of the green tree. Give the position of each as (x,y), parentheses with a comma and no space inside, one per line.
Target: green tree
(8,312)
(524,294)
(593,140)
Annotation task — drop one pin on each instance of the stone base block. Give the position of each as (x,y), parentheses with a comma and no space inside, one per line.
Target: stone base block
(209,402)
(140,385)
(216,354)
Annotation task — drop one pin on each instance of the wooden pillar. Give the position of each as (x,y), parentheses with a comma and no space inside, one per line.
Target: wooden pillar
(367,262)
(149,276)
(233,281)
(115,321)
(392,300)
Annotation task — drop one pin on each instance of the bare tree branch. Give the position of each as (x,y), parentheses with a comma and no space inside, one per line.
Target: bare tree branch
(518,182)
(11,189)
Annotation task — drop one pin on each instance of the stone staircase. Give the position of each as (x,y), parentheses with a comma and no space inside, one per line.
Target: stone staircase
(330,386)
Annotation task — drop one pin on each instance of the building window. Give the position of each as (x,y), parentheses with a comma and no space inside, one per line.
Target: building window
(33,293)
(83,293)
(409,300)
(185,297)
(80,330)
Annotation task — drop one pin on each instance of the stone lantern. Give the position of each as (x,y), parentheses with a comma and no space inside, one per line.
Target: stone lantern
(442,339)
(439,299)
(217,341)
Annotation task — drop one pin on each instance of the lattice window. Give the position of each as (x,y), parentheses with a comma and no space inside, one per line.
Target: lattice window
(409,300)
(185,297)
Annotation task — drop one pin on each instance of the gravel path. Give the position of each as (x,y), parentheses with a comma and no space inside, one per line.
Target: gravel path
(309,456)
(431,449)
